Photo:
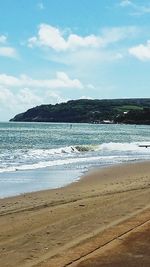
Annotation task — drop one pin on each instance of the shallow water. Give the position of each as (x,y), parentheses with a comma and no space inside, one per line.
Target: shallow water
(26,149)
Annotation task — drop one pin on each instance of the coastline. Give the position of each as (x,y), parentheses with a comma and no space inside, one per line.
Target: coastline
(32,181)
(37,229)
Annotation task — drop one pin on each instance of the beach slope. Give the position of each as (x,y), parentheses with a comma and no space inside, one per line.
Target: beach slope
(78,224)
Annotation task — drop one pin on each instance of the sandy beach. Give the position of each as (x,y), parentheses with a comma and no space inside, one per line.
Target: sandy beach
(92,222)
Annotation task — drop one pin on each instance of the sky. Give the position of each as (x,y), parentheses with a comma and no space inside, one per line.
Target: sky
(52,51)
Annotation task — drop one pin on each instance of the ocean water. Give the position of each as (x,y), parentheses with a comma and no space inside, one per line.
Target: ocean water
(36,156)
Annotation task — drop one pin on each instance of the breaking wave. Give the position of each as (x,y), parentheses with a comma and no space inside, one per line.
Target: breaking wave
(25,159)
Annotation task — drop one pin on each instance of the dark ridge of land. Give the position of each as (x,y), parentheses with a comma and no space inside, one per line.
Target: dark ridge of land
(130,111)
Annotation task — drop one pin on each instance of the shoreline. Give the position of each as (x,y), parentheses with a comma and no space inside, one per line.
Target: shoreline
(64,183)
(54,227)
(39,180)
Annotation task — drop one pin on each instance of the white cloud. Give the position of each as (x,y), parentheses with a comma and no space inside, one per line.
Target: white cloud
(18,94)
(17,102)
(27,98)
(61,81)
(137,9)
(125,3)
(5,95)
(86,97)
(55,97)
(12,102)
(3,39)
(141,10)
(90,86)
(84,61)
(116,34)
(7,51)
(40,5)
(52,37)
(142,52)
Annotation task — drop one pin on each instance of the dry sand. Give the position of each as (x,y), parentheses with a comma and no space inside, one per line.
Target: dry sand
(93,222)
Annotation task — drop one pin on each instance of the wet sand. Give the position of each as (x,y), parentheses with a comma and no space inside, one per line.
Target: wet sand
(128,250)
(79,225)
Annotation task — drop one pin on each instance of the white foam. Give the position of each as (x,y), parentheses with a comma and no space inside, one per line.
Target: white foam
(48,164)
(54,151)
(97,160)
(124,147)
(40,158)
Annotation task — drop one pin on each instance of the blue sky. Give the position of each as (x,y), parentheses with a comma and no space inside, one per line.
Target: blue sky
(53,50)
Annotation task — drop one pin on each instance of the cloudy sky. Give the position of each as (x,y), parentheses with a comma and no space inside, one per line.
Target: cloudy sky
(53,50)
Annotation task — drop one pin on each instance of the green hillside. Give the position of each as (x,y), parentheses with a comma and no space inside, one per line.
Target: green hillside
(91,111)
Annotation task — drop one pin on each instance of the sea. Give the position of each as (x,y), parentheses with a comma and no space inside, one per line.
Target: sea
(39,156)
